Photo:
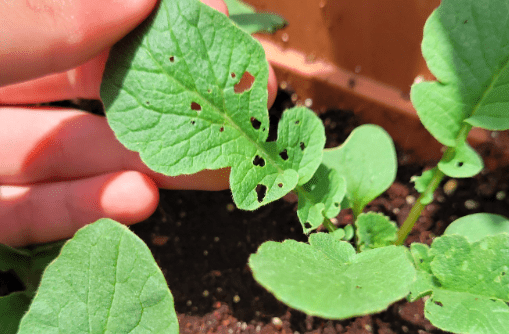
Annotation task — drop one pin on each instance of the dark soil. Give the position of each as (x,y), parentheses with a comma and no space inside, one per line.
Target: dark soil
(202,243)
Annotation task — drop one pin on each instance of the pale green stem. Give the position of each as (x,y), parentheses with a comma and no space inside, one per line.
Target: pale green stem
(329,225)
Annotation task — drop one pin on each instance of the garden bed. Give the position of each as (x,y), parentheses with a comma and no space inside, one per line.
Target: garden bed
(202,243)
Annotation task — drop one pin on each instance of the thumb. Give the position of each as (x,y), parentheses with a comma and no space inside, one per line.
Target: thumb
(42,37)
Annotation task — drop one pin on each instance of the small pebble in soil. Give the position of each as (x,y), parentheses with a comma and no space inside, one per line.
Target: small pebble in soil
(236,299)
(278,323)
(216,239)
(205,293)
(470,204)
(230,207)
(308,102)
(450,186)
(410,200)
(189,302)
(500,195)
(205,253)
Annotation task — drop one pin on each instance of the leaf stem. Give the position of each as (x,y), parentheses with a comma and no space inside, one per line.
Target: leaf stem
(418,206)
(329,225)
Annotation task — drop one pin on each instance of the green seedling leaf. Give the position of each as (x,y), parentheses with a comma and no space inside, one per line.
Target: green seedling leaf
(367,161)
(326,278)
(349,232)
(104,281)
(462,312)
(478,226)
(425,282)
(245,17)
(28,264)
(465,162)
(320,198)
(466,47)
(374,230)
(338,234)
(188,90)
(470,283)
(421,184)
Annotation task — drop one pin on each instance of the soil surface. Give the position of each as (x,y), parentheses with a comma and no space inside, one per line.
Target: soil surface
(202,243)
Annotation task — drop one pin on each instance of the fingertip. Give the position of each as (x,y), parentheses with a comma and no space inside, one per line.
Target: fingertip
(129,197)
(272,87)
(218,5)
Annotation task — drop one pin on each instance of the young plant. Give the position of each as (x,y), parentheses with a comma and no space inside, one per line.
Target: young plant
(466,46)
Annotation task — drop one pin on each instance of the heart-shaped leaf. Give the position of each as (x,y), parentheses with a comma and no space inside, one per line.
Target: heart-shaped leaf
(188,90)
(104,281)
(367,161)
(327,278)
(477,226)
(374,230)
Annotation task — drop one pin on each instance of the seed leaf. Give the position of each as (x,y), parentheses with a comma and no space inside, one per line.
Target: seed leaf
(476,226)
(327,278)
(374,230)
(247,18)
(188,90)
(104,281)
(367,161)
(465,44)
(320,198)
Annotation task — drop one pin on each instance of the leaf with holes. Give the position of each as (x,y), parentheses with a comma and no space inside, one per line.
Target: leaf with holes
(374,230)
(188,91)
(320,198)
(367,161)
(466,47)
(468,283)
(104,281)
(326,278)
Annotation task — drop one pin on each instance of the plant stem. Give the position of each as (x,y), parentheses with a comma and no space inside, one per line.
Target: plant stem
(416,210)
(329,225)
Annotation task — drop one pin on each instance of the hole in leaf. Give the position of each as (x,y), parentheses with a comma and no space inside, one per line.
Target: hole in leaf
(421,260)
(258,161)
(261,190)
(193,122)
(297,122)
(459,164)
(284,154)
(302,146)
(233,75)
(255,123)
(503,273)
(280,185)
(172,59)
(221,129)
(358,287)
(351,83)
(336,204)
(438,303)
(195,106)
(307,225)
(465,22)
(147,103)
(245,83)
(263,129)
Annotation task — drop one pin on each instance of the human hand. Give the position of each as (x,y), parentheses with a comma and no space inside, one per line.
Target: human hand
(61,168)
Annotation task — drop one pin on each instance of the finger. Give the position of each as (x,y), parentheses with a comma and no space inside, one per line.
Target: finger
(47,212)
(43,37)
(42,145)
(84,81)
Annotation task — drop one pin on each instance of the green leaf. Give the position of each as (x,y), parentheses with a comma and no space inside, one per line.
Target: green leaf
(320,198)
(367,161)
(12,309)
(104,281)
(477,226)
(349,232)
(374,230)
(472,284)
(425,282)
(422,182)
(465,162)
(462,312)
(246,17)
(326,278)
(466,47)
(188,90)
